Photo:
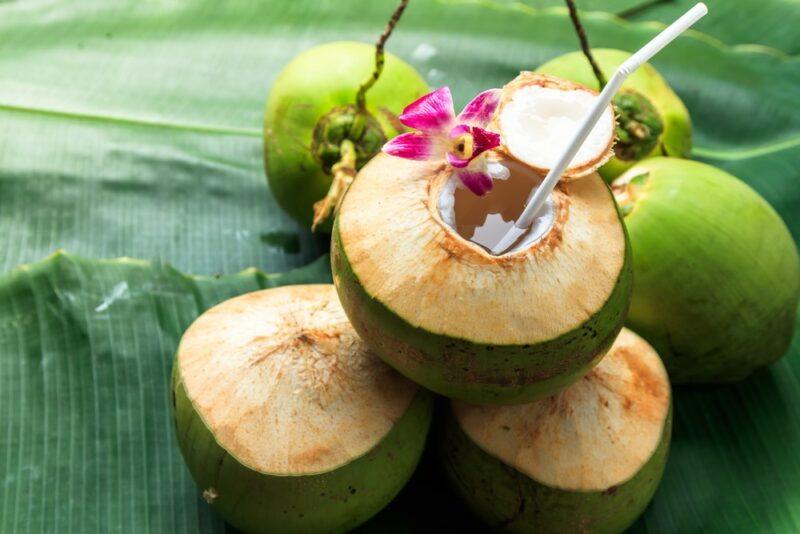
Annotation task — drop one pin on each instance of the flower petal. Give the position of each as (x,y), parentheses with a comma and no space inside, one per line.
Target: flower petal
(477,181)
(455,161)
(430,113)
(484,140)
(417,146)
(480,110)
(459,130)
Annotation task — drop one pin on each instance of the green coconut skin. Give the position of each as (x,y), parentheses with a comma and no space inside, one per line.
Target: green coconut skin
(676,138)
(475,372)
(334,501)
(717,272)
(314,83)
(508,500)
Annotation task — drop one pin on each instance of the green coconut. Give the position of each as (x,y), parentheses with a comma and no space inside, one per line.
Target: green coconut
(286,421)
(588,459)
(311,112)
(459,320)
(717,271)
(652,120)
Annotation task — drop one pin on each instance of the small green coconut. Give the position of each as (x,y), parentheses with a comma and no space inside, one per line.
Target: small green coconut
(717,271)
(652,120)
(469,324)
(312,122)
(588,459)
(286,421)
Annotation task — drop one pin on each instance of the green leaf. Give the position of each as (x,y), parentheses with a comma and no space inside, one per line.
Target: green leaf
(769,24)
(86,352)
(137,130)
(86,349)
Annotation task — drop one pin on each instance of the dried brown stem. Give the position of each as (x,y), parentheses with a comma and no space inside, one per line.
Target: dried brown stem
(361,95)
(576,22)
(343,173)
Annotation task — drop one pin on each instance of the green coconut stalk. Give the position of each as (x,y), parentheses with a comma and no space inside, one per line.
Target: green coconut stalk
(717,271)
(588,459)
(652,120)
(329,112)
(286,421)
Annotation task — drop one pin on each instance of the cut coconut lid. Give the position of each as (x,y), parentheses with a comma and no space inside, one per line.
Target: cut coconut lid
(596,434)
(285,385)
(538,116)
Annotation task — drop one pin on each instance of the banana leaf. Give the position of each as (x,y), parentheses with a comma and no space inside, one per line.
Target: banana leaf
(86,351)
(767,24)
(133,128)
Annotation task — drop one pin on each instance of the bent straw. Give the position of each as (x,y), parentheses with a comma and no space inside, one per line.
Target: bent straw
(539,195)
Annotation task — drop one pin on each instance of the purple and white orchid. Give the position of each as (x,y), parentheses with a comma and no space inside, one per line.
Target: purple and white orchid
(460,141)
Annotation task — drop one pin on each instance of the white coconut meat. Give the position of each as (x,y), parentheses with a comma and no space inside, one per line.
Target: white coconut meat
(284,383)
(538,116)
(539,226)
(596,434)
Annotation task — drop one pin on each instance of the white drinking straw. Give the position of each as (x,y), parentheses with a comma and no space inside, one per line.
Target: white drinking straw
(539,195)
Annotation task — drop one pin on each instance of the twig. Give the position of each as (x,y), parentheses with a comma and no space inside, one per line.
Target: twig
(576,22)
(361,96)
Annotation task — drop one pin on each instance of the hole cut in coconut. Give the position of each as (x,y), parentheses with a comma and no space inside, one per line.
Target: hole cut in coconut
(485,220)
(538,117)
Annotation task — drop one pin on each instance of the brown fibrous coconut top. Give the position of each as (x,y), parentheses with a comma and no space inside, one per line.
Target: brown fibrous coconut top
(285,385)
(410,260)
(596,434)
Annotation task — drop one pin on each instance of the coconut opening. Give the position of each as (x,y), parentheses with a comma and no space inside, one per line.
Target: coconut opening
(485,220)
(539,118)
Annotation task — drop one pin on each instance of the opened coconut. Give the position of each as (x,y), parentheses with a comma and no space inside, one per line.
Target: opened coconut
(286,421)
(588,459)
(412,244)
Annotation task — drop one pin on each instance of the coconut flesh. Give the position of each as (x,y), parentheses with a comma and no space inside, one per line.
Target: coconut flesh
(537,117)
(465,323)
(675,128)
(587,459)
(286,421)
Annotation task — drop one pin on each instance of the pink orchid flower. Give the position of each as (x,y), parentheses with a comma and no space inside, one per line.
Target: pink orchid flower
(440,134)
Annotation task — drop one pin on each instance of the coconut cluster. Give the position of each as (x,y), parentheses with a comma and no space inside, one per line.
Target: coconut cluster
(307,408)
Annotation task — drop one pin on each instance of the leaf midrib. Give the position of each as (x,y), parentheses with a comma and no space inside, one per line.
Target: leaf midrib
(734,154)
(134,121)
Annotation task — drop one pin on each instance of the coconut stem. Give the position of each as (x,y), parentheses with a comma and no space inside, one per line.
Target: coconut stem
(343,173)
(641,8)
(576,22)
(361,96)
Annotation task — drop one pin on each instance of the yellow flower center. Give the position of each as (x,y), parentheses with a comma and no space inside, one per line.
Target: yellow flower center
(463,146)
